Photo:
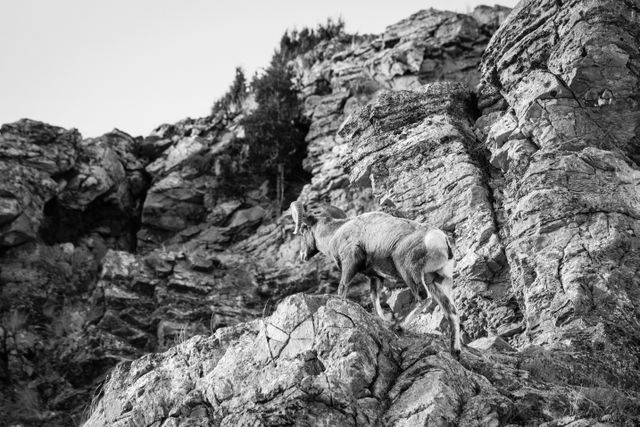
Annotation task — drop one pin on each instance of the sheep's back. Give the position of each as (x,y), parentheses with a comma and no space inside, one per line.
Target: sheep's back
(381,233)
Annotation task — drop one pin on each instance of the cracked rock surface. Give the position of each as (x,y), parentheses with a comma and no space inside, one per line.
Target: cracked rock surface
(317,360)
(561,120)
(543,198)
(418,152)
(320,360)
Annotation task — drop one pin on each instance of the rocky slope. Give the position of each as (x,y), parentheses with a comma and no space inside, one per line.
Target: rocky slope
(64,201)
(533,173)
(320,360)
(316,360)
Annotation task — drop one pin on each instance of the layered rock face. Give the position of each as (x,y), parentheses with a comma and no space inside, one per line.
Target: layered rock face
(418,152)
(339,78)
(542,199)
(560,110)
(190,162)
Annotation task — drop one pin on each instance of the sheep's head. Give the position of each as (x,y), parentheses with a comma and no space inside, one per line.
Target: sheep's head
(303,224)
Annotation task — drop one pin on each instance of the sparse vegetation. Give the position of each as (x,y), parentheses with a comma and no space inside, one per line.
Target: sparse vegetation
(91,407)
(183,334)
(12,322)
(295,42)
(275,131)
(235,95)
(597,402)
(274,144)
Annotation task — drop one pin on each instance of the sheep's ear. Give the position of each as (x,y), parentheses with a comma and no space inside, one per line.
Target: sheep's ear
(297,213)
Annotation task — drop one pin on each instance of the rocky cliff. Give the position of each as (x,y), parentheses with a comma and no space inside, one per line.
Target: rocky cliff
(522,145)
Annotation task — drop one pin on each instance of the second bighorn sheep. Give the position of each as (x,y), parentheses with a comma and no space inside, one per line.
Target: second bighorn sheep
(383,246)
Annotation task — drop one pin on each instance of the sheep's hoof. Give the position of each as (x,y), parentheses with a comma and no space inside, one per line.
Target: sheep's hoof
(455,352)
(390,322)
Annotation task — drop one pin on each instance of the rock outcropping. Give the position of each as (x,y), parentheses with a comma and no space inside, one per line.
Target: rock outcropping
(320,360)
(315,361)
(560,112)
(337,79)
(189,162)
(61,187)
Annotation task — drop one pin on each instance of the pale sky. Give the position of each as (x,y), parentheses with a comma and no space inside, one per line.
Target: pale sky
(135,64)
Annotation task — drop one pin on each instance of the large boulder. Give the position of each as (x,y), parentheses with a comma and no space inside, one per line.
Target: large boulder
(102,197)
(108,167)
(313,360)
(50,149)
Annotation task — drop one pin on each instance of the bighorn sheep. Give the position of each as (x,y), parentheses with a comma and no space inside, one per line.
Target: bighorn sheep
(383,246)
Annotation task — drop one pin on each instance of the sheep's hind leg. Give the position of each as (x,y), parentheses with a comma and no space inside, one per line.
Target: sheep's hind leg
(440,289)
(420,302)
(374,293)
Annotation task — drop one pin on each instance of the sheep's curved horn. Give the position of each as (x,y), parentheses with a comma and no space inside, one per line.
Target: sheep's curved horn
(297,213)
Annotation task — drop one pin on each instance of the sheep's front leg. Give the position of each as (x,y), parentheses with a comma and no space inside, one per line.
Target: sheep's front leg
(349,270)
(352,263)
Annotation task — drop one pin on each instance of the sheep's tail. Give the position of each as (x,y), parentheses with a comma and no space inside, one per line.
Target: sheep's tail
(436,242)
(436,239)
